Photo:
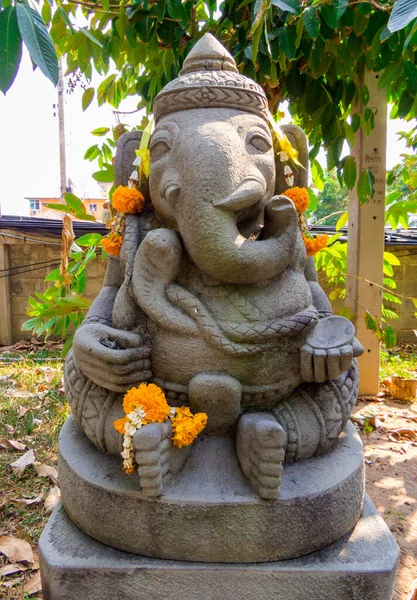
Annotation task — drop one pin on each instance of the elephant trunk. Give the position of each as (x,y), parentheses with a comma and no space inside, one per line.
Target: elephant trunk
(213,241)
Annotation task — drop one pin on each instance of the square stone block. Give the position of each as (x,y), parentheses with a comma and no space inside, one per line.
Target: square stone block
(360,566)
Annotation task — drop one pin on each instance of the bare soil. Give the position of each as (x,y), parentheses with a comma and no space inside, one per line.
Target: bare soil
(391,478)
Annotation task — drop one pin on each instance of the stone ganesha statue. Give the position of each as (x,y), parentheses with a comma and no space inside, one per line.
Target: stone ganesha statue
(213,297)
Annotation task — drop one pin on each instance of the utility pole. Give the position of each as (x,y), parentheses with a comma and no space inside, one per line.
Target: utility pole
(61,129)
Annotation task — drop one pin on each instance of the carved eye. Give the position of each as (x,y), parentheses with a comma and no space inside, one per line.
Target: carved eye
(260,142)
(158,147)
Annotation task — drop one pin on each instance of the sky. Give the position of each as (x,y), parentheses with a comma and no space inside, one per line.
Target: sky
(29,145)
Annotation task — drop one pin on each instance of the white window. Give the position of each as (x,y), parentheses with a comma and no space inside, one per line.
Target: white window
(35,205)
(93,207)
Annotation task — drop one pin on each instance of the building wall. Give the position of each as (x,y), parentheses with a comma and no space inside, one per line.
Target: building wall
(17,253)
(21,286)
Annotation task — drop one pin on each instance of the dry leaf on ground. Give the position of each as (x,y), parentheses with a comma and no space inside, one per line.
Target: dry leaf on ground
(15,549)
(12,444)
(11,569)
(22,411)
(24,461)
(397,434)
(10,428)
(46,471)
(33,584)
(28,501)
(12,582)
(52,498)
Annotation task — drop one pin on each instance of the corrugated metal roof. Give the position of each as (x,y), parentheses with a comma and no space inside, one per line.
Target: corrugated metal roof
(53,227)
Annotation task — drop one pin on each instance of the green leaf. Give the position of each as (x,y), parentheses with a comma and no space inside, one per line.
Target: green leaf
(391,298)
(370,321)
(89,239)
(74,203)
(90,36)
(317,174)
(341,6)
(287,42)
(329,14)
(342,221)
(105,176)
(87,98)
(312,200)
(38,41)
(390,337)
(10,48)
(292,6)
(350,172)
(405,104)
(100,131)
(403,12)
(66,18)
(311,22)
(391,258)
(61,207)
(365,186)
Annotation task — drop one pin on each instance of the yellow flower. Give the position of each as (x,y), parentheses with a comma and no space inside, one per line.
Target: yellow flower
(151,398)
(315,245)
(127,200)
(299,196)
(112,243)
(186,426)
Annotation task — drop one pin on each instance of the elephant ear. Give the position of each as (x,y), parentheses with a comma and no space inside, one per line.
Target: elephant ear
(298,141)
(136,226)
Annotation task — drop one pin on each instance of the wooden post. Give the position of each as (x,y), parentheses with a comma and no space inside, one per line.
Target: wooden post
(5,306)
(366,236)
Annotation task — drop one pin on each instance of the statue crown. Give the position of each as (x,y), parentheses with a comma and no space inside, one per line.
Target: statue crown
(210,79)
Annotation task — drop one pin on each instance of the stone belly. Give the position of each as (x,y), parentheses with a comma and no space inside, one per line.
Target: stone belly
(177,358)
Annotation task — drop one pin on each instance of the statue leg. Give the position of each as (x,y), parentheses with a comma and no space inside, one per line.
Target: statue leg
(156,456)
(94,407)
(315,414)
(260,448)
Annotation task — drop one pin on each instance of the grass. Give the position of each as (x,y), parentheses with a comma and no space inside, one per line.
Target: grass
(33,403)
(401,362)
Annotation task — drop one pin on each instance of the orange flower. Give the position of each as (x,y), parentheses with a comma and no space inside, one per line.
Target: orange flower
(127,200)
(112,243)
(119,425)
(299,195)
(152,400)
(129,470)
(314,245)
(186,426)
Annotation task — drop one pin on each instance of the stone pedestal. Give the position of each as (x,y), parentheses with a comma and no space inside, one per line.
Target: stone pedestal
(209,512)
(360,566)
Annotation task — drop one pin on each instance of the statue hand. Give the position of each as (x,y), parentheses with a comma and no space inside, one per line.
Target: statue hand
(319,364)
(112,358)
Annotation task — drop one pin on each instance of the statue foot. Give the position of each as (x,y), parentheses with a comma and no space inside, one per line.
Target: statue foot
(156,456)
(260,447)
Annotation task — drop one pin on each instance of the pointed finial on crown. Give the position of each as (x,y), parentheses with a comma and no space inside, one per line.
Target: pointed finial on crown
(208,55)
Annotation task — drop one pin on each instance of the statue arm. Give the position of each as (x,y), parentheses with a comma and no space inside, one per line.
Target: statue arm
(320,300)
(102,308)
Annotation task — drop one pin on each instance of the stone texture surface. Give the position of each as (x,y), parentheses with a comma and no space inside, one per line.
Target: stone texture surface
(360,566)
(208,511)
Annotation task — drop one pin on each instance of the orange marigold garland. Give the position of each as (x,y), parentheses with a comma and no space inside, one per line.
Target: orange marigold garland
(127,199)
(314,245)
(299,195)
(147,404)
(112,243)
(186,426)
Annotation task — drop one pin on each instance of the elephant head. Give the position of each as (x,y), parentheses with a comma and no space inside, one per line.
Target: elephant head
(212,172)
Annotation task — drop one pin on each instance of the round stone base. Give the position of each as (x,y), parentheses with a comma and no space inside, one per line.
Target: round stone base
(209,513)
